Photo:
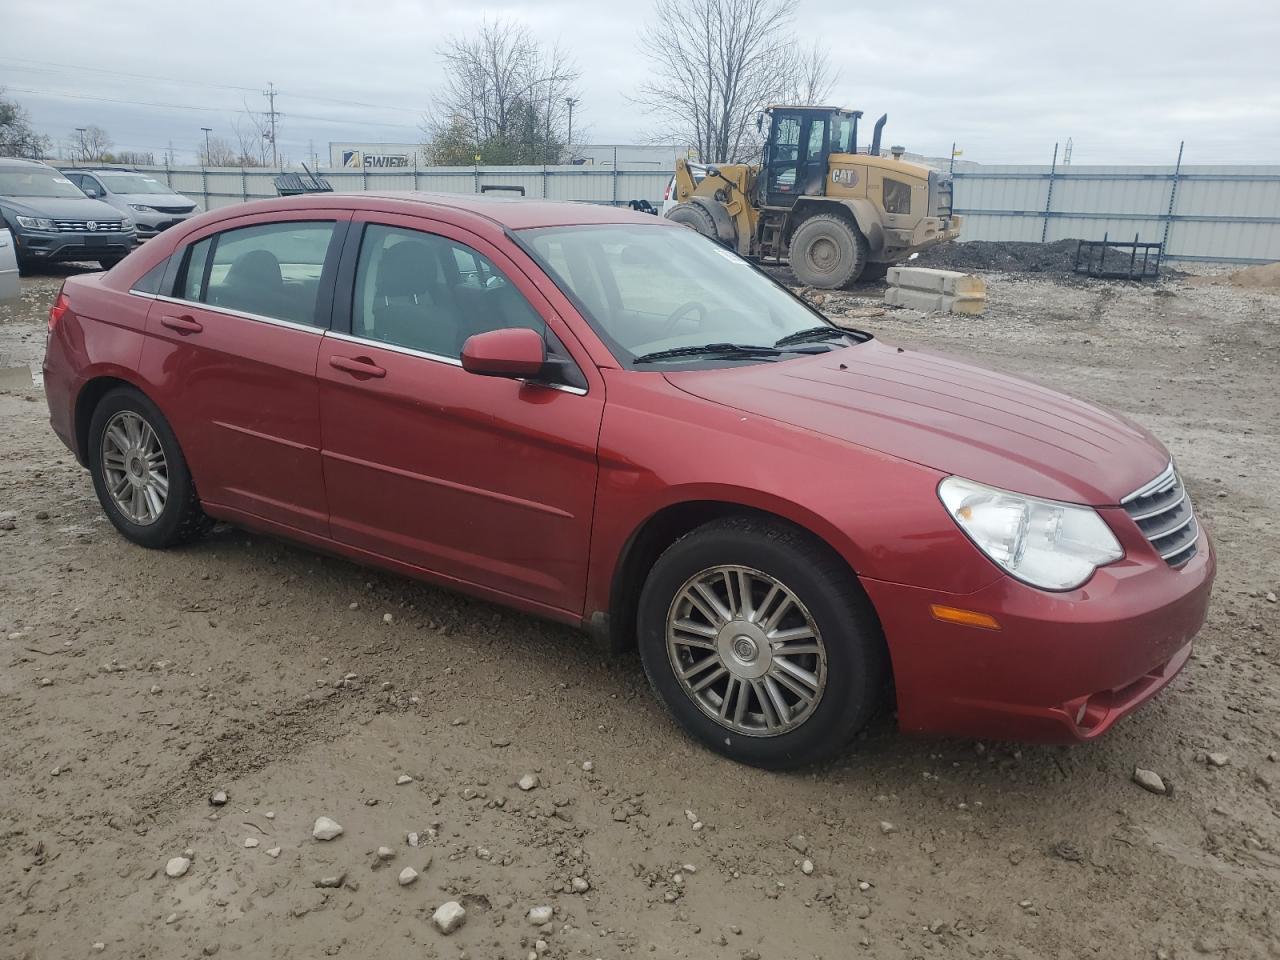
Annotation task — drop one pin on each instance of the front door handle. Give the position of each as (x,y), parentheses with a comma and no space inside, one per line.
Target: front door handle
(183,324)
(358,366)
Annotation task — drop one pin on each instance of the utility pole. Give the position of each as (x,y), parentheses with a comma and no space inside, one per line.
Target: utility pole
(168,155)
(207,131)
(571,102)
(311,150)
(84,150)
(270,94)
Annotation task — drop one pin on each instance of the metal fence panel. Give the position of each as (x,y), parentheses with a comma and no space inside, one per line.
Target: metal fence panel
(1224,213)
(1209,212)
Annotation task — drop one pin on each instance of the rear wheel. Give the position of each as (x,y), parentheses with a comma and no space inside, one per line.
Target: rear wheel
(140,474)
(761,643)
(827,252)
(696,217)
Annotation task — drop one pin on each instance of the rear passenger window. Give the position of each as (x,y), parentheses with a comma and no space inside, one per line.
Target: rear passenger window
(423,292)
(271,270)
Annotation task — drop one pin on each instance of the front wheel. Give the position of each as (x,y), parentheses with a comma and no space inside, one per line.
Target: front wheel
(761,643)
(140,474)
(827,252)
(109,262)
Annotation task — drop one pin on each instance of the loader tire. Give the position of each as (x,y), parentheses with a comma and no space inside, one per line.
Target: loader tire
(827,252)
(696,217)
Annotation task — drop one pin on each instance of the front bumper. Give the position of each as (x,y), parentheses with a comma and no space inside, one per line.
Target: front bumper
(153,224)
(900,242)
(1064,667)
(61,247)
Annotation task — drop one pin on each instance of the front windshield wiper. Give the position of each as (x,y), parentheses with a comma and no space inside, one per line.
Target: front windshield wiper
(710,350)
(812,333)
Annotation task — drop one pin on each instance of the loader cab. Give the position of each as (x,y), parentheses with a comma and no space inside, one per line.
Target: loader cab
(800,141)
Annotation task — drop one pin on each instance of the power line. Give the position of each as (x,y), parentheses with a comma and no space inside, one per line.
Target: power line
(223,110)
(63,68)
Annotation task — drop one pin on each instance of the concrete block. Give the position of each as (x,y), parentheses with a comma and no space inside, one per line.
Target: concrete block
(941,302)
(937,281)
(946,290)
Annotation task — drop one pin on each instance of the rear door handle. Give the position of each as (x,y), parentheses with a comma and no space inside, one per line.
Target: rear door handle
(182,324)
(359,366)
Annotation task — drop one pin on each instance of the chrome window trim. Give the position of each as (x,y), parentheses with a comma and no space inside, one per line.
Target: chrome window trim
(440,358)
(1165,477)
(275,321)
(143,294)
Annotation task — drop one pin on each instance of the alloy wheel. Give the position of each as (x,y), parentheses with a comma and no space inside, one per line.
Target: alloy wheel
(746,651)
(134,468)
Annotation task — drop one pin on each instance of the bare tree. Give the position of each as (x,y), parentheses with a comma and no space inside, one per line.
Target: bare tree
(90,144)
(253,137)
(134,158)
(813,77)
(717,63)
(220,153)
(17,137)
(505,98)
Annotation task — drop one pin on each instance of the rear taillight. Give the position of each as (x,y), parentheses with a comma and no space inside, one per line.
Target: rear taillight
(60,307)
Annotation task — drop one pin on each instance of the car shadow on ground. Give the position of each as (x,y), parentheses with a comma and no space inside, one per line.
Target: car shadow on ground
(551,654)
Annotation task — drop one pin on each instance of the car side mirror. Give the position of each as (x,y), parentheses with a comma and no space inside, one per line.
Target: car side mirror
(516,353)
(91,192)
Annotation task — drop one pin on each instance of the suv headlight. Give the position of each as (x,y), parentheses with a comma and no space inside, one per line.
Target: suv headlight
(36,223)
(1051,545)
(142,206)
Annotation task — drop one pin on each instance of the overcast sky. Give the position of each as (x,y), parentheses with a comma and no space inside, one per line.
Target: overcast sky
(1004,80)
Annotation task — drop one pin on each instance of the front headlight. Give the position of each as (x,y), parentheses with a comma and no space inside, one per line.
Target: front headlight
(1051,545)
(36,223)
(142,206)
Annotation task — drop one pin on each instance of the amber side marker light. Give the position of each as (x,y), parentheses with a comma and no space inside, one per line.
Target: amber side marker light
(966,618)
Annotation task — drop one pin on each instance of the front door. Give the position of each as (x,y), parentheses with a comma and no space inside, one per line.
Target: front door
(483,481)
(231,351)
(797,157)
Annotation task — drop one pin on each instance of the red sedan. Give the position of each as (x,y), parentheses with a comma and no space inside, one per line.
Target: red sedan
(602,418)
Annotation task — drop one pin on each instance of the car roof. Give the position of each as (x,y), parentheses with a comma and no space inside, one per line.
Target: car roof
(511,213)
(21,162)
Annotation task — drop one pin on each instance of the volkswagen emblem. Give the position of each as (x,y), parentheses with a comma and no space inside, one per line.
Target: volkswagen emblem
(91,226)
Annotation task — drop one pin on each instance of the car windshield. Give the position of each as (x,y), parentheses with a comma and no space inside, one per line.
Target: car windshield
(132,183)
(650,290)
(36,182)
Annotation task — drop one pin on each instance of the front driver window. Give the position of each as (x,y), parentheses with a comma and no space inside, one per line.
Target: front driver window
(426,293)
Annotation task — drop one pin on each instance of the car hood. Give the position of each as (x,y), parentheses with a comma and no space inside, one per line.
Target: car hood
(62,208)
(949,415)
(157,199)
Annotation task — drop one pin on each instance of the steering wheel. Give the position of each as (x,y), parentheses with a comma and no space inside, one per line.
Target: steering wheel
(682,311)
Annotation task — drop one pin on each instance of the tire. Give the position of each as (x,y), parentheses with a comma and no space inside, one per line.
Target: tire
(849,661)
(179,519)
(27,266)
(696,217)
(827,252)
(110,262)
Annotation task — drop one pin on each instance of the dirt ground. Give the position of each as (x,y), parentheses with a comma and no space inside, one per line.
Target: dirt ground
(133,685)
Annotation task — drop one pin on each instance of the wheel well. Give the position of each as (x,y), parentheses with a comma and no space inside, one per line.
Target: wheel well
(90,395)
(804,209)
(648,543)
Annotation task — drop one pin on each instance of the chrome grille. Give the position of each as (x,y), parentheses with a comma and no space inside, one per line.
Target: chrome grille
(82,226)
(1162,511)
(186,209)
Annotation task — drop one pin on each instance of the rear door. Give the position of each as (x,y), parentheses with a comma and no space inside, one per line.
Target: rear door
(232,346)
(482,480)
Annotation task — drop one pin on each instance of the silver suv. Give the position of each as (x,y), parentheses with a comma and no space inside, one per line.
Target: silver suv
(52,220)
(152,205)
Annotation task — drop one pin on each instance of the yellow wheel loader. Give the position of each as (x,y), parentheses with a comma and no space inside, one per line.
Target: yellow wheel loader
(834,213)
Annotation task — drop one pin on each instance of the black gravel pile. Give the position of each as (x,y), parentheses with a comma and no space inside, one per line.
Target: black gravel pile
(1008,256)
